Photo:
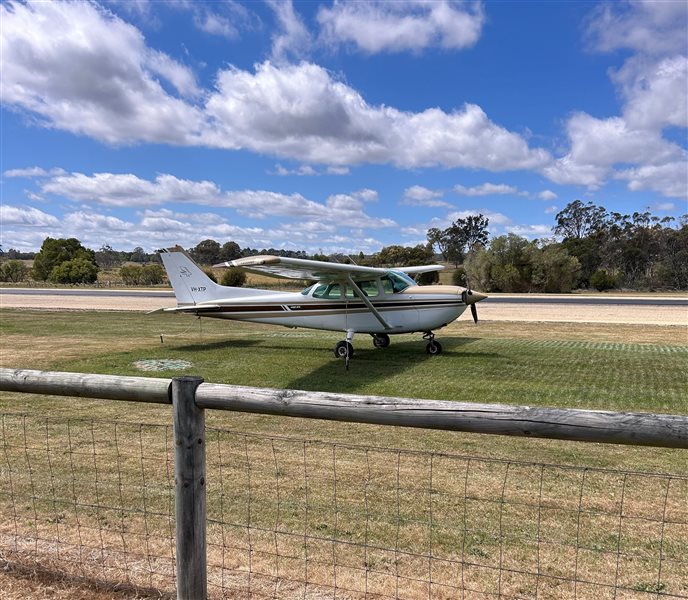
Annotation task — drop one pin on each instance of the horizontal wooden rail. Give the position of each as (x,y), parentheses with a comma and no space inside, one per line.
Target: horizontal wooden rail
(646,429)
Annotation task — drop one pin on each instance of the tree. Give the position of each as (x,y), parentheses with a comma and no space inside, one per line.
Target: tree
(14,271)
(107,258)
(579,220)
(206,253)
(54,252)
(76,270)
(404,256)
(229,251)
(460,237)
(138,255)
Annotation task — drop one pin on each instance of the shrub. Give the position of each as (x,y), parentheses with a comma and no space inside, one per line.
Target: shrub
(210,274)
(429,278)
(77,270)
(234,277)
(131,274)
(152,274)
(14,271)
(601,280)
(459,277)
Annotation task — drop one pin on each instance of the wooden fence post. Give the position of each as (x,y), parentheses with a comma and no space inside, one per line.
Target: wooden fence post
(189,477)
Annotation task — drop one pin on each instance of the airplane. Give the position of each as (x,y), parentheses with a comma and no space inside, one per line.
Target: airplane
(345,297)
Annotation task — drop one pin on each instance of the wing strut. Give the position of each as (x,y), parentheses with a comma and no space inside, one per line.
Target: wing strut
(367,302)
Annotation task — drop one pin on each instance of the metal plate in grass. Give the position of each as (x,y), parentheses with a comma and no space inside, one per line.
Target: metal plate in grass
(162,364)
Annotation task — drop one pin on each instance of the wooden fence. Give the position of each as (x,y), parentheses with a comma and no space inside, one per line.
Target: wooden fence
(189,397)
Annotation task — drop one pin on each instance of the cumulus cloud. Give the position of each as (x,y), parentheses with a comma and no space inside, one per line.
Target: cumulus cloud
(531,231)
(84,70)
(645,26)
(417,195)
(25,216)
(79,68)
(547,195)
(486,189)
(653,84)
(128,190)
(378,26)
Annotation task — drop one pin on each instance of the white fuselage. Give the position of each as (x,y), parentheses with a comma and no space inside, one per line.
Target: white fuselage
(415,309)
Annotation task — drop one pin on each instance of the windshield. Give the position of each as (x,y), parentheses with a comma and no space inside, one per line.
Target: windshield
(395,282)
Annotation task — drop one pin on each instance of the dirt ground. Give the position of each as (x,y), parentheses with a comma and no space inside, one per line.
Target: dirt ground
(502,311)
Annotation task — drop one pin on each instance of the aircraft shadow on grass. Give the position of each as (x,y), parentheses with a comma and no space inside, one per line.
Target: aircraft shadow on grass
(202,346)
(373,365)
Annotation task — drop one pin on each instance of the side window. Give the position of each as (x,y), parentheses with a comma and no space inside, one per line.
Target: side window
(328,290)
(320,291)
(369,288)
(387,285)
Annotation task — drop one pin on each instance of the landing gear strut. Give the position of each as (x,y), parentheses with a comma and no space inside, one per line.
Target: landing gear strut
(380,340)
(433,348)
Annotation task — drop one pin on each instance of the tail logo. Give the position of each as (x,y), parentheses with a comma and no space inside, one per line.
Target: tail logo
(185,271)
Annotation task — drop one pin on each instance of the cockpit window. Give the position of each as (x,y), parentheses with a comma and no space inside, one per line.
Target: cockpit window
(328,290)
(395,282)
(369,288)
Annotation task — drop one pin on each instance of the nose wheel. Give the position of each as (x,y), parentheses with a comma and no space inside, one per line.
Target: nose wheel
(433,348)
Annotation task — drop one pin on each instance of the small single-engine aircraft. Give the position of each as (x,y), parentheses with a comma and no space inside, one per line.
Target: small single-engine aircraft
(349,298)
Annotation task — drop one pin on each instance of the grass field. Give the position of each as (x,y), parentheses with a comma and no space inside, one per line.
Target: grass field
(619,367)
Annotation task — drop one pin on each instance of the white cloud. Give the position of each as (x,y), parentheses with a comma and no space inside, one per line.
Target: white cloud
(550,210)
(665,206)
(333,170)
(547,195)
(293,39)
(122,190)
(84,70)
(531,231)
(215,24)
(646,26)
(669,179)
(653,84)
(417,195)
(373,26)
(31,172)
(25,216)
(486,189)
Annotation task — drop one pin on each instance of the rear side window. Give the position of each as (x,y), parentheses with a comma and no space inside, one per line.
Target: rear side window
(328,290)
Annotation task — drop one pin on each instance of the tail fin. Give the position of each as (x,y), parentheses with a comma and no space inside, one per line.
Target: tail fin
(190,284)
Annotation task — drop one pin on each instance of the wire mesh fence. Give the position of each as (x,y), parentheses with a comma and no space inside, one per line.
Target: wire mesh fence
(291,518)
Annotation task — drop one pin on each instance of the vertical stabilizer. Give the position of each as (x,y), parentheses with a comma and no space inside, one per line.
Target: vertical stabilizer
(190,284)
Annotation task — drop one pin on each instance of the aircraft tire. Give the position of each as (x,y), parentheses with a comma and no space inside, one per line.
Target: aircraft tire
(380,340)
(341,349)
(433,348)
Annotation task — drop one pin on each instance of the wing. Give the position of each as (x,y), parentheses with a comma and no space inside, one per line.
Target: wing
(300,268)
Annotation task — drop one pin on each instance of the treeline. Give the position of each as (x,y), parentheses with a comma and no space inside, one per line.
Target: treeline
(598,250)
(593,248)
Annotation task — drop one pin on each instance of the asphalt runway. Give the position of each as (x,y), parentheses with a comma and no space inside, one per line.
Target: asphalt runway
(576,299)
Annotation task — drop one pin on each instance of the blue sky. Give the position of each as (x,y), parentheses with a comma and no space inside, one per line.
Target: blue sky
(333,126)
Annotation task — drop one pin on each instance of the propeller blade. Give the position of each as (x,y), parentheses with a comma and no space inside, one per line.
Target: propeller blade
(474,312)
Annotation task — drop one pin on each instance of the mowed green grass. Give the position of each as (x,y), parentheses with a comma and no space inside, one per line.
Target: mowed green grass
(558,365)
(342,482)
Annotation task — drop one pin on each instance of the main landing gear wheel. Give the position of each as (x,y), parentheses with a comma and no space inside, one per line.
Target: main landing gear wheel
(380,340)
(343,350)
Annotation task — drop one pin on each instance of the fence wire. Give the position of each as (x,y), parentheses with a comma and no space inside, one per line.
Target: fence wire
(292,518)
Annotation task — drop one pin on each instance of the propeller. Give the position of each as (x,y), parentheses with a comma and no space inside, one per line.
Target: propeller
(474,312)
(470,298)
